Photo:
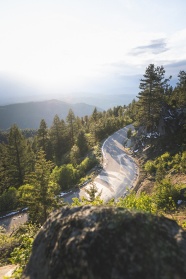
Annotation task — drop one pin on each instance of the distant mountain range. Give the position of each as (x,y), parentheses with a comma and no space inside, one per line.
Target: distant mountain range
(105,94)
(24,104)
(29,115)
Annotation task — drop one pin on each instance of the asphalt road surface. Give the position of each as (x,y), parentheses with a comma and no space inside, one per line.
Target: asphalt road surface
(11,223)
(120,172)
(118,175)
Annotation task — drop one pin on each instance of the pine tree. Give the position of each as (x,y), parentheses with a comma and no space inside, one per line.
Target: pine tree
(43,141)
(92,192)
(82,143)
(4,181)
(58,139)
(17,157)
(95,115)
(151,96)
(71,124)
(181,87)
(75,155)
(40,193)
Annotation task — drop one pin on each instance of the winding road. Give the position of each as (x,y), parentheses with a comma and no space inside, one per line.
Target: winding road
(120,171)
(119,174)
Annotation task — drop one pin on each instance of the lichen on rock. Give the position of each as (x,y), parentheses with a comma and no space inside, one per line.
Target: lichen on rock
(107,243)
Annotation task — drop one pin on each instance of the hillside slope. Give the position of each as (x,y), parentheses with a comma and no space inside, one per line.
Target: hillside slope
(29,115)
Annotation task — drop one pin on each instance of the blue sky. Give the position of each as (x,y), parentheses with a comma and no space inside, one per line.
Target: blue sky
(90,45)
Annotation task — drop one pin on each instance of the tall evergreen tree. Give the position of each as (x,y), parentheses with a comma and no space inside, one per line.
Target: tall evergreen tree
(86,123)
(82,143)
(4,181)
(71,124)
(17,156)
(43,141)
(74,155)
(181,87)
(58,139)
(151,96)
(39,194)
(95,115)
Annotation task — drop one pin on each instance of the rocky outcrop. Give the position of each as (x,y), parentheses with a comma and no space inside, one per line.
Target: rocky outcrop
(171,128)
(172,120)
(107,242)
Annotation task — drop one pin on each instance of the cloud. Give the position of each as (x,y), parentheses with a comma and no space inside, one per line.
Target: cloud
(174,67)
(155,47)
(177,64)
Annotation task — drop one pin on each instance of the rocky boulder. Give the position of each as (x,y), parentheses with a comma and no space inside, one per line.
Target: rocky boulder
(107,242)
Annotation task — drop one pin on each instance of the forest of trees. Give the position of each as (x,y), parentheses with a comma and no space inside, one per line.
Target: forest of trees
(37,165)
(53,159)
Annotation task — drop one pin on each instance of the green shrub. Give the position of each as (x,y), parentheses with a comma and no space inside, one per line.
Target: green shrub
(87,164)
(150,167)
(7,244)
(143,202)
(66,176)
(21,254)
(166,195)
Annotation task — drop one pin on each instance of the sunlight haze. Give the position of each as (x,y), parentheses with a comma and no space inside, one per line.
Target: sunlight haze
(90,46)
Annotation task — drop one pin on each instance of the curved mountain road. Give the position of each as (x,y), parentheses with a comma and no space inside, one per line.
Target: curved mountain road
(120,171)
(119,174)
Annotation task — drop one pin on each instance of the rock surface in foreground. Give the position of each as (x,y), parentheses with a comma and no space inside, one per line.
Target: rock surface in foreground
(106,242)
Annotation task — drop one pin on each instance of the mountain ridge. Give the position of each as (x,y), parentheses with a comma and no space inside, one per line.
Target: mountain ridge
(29,114)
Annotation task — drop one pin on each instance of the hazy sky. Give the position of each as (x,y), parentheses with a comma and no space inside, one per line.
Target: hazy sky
(73,44)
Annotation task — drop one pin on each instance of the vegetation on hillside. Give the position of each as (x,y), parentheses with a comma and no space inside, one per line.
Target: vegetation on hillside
(36,166)
(57,157)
